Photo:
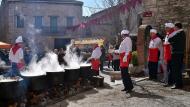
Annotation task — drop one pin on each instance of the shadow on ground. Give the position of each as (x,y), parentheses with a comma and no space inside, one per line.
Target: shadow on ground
(145,95)
(64,102)
(82,95)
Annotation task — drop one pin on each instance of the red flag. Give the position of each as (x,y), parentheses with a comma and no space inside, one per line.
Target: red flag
(82,25)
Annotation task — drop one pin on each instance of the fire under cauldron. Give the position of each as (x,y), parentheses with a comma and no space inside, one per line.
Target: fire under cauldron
(85,71)
(11,90)
(36,82)
(55,78)
(71,76)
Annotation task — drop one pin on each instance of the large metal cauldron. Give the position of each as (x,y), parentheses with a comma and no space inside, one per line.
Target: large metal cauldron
(71,75)
(55,78)
(36,83)
(85,71)
(10,89)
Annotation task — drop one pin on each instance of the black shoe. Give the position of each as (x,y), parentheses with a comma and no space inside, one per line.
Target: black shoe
(124,89)
(176,87)
(150,78)
(128,91)
(167,85)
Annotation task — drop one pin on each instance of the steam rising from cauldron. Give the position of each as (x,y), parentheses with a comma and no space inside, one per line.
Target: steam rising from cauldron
(73,61)
(47,64)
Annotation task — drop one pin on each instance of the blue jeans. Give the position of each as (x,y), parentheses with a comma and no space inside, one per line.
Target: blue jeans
(14,71)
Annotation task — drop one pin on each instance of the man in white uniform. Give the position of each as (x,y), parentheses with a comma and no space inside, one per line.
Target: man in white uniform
(125,52)
(16,57)
(95,59)
(154,54)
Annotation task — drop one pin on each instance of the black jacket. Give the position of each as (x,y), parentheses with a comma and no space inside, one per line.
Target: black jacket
(178,43)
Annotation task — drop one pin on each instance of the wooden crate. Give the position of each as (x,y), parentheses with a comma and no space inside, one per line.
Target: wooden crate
(97,81)
(115,75)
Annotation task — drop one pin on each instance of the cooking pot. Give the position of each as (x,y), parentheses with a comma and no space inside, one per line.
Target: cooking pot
(85,71)
(55,78)
(36,83)
(72,74)
(11,89)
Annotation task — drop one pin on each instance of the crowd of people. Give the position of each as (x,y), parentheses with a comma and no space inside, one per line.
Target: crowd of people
(165,55)
(4,56)
(170,54)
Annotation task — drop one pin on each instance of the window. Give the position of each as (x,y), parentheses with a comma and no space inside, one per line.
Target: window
(53,24)
(38,22)
(70,20)
(19,21)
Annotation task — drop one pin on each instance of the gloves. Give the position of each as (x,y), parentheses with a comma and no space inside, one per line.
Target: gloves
(125,58)
(116,51)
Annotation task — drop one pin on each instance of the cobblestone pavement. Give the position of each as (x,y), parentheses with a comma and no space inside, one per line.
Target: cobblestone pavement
(145,94)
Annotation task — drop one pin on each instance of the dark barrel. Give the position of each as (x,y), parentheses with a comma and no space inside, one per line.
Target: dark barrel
(55,78)
(11,90)
(85,71)
(36,83)
(71,75)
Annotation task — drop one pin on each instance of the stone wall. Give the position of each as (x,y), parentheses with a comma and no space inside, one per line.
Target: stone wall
(167,11)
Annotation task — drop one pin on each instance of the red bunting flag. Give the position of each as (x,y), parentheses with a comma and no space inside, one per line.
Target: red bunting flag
(122,8)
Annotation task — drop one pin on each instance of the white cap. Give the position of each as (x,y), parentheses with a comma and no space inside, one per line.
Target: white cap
(153,31)
(19,39)
(124,32)
(169,25)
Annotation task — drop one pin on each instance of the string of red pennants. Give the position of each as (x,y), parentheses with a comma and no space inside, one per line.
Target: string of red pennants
(121,8)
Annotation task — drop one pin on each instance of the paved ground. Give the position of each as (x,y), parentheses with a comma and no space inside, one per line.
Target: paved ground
(146,94)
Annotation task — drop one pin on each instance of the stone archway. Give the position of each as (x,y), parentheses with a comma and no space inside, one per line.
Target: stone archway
(142,44)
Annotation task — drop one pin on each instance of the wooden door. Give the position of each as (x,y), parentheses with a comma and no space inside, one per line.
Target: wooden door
(187,55)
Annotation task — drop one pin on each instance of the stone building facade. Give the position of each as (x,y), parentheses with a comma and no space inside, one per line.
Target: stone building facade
(45,21)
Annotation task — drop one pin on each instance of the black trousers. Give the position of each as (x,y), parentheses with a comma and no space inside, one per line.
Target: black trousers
(177,64)
(109,63)
(153,69)
(116,64)
(101,65)
(170,73)
(127,82)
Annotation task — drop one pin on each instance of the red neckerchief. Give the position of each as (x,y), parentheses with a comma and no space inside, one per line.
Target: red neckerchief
(15,48)
(154,37)
(170,31)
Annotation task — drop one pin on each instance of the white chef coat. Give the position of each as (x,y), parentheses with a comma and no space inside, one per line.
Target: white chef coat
(17,57)
(96,53)
(126,46)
